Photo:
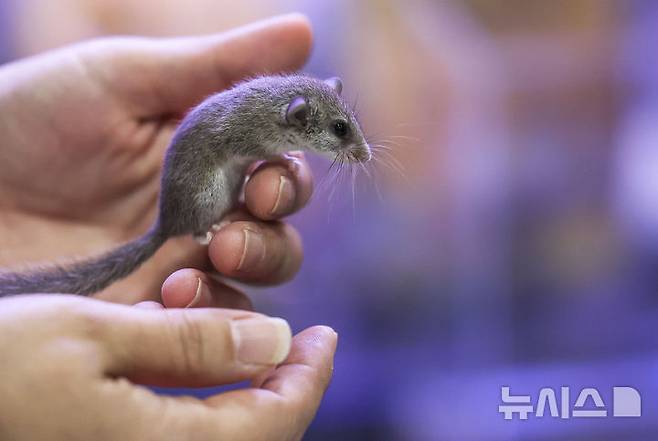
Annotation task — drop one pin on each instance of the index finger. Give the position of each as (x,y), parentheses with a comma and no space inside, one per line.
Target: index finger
(289,394)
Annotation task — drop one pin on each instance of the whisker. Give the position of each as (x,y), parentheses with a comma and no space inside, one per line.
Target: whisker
(365,169)
(390,165)
(392,160)
(338,175)
(326,178)
(405,137)
(418,124)
(352,171)
(380,161)
(380,147)
(388,143)
(370,177)
(355,106)
(333,163)
(336,181)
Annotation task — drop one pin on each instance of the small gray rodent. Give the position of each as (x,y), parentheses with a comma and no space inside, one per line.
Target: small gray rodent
(204,166)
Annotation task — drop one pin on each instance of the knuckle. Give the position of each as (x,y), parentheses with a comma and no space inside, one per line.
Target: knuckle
(190,355)
(69,316)
(89,324)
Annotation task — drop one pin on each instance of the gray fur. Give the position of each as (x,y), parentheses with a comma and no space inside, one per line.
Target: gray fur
(204,167)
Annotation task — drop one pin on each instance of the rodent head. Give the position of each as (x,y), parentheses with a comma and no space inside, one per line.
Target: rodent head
(322,122)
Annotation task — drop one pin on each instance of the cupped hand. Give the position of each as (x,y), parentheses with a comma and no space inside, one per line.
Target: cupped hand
(72,367)
(84,130)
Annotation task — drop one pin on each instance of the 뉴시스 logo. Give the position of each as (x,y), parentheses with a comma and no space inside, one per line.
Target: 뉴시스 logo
(626,402)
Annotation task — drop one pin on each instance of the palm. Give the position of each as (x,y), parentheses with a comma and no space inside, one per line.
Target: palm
(94,174)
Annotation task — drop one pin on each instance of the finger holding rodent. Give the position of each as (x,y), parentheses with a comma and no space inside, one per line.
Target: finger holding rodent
(257,252)
(191,288)
(279,188)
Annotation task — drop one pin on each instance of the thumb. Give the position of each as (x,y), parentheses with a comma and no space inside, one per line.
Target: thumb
(168,76)
(192,347)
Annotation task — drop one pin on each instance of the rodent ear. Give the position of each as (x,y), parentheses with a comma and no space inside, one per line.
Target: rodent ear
(335,83)
(297,112)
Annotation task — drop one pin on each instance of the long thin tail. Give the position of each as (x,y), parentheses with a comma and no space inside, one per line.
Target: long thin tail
(87,276)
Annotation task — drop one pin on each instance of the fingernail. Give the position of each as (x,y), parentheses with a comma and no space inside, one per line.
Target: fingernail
(149,304)
(331,330)
(253,250)
(202,292)
(285,197)
(261,340)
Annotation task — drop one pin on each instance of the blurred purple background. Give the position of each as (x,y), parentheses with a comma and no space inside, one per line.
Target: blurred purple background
(520,247)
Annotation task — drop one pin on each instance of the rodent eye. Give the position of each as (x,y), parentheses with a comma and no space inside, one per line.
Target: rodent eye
(340,128)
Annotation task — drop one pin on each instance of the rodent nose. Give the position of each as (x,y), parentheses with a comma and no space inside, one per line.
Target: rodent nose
(362,154)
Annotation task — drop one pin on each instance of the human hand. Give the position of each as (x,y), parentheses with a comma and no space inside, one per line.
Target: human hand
(69,364)
(84,131)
